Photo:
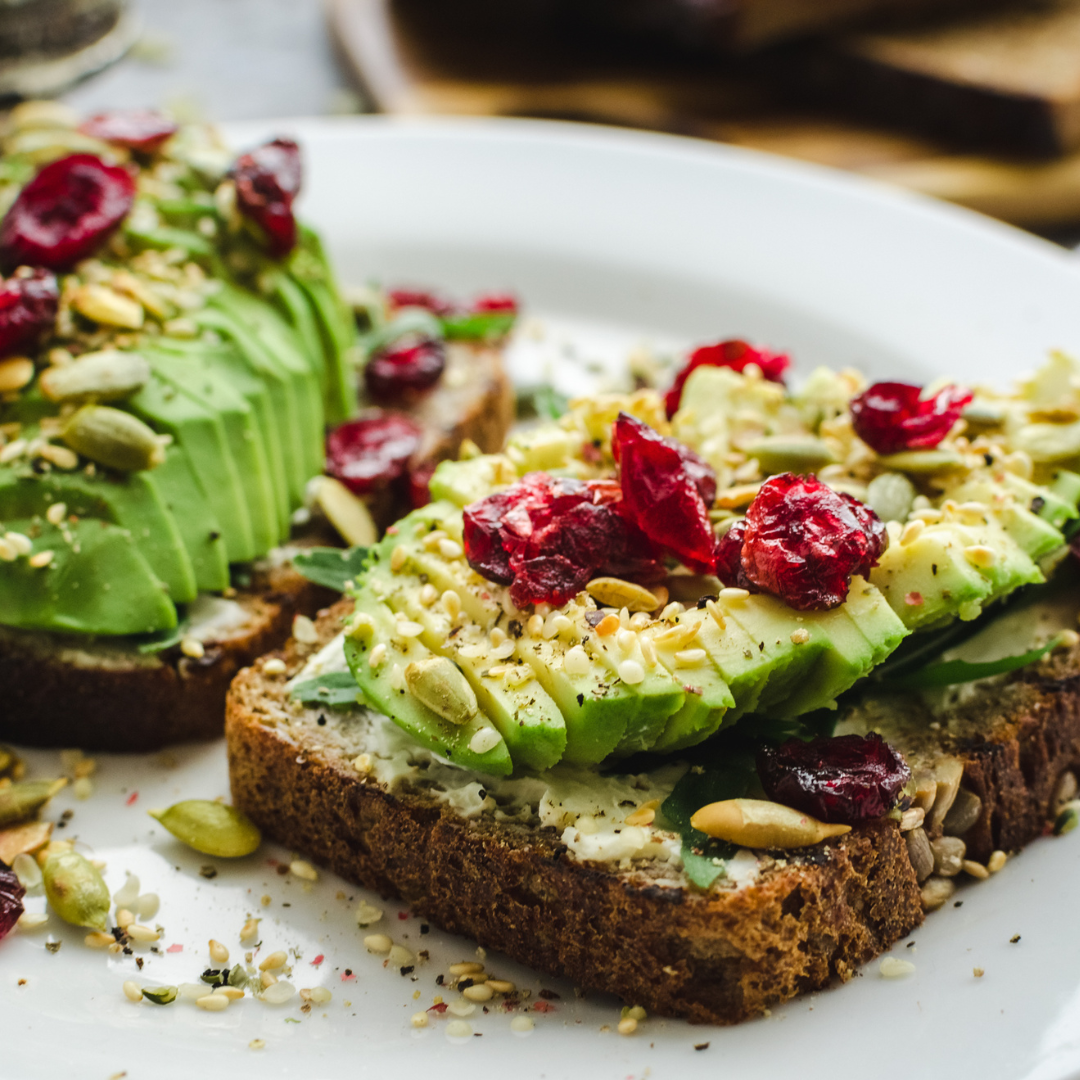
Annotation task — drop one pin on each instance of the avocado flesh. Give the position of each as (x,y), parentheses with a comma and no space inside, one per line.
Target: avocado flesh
(464,482)
(229,362)
(450,741)
(98,583)
(201,434)
(202,382)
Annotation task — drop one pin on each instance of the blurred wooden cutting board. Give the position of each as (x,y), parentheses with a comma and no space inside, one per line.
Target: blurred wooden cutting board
(424,57)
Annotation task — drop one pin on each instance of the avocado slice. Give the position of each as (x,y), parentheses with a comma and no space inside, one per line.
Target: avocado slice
(133,502)
(201,434)
(98,582)
(464,482)
(386,691)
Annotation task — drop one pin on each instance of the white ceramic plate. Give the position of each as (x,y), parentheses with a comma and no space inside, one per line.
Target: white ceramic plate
(611,238)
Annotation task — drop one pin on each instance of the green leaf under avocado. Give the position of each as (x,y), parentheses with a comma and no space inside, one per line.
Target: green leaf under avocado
(953,672)
(335,568)
(332,689)
(703,857)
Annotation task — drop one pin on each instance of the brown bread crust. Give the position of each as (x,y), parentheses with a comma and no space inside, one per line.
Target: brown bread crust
(718,957)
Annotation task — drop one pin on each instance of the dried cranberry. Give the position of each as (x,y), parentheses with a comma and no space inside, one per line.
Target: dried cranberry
(667,490)
(137,129)
(405,369)
(420,298)
(65,213)
(496,302)
(891,416)
(11,899)
(372,451)
(267,181)
(803,541)
(420,483)
(729,567)
(548,536)
(843,780)
(735,354)
(28,303)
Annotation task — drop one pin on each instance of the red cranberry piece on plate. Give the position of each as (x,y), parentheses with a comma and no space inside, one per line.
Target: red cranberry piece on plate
(734,354)
(419,298)
(842,780)
(420,483)
(267,181)
(483,535)
(729,567)
(11,899)
(371,452)
(137,129)
(665,486)
(892,416)
(803,541)
(404,369)
(65,213)
(492,302)
(28,303)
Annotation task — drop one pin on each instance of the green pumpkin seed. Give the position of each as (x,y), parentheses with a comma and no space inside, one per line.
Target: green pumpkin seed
(160,995)
(1066,821)
(211,828)
(76,891)
(21,801)
(113,438)
(890,496)
(437,682)
(100,376)
(922,462)
(784,453)
(237,977)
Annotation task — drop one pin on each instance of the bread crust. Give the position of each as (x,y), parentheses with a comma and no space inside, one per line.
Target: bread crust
(716,957)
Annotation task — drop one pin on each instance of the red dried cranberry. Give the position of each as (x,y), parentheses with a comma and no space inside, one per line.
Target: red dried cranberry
(371,452)
(28,304)
(729,567)
(891,416)
(665,486)
(547,537)
(735,354)
(842,781)
(65,213)
(803,541)
(405,369)
(137,129)
(267,181)
(429,301)
(496,302)
(11,899)
(420,483)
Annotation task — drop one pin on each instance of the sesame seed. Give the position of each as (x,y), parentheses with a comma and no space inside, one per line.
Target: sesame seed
(996,862)
(7,551)
(320,995)
(450,549)
(12,451)
(800,636)
(892,968)
(673,610)
(501,986)
(912,531)
(30,921)
(301,868)
(431,541)
(535,626)
(361,625)
(522,1024)
(61,456)
(233,993)
(303,629)
(648,652)
(378,655)
(627,1025)
(561,624)
(274,960)
(397,678)
(643,815)
(419,1020)
(256,1044)
(366,913)
(98,939)
(362,763)
(406,628)
(497,636)
(631,672)
(980,555)
(503,651)
(400,957)
(734,594)
(249,930)
(458,1029)
(213,1002)
(624,618)
(480,992)
(124,918)
(192,647)
(484,740)
(218,953)
(274,666)
(639,620)
(56,513)
(689,657)
(626,640)
(428,595)
(716,614)
(975,869)
(398,558)
(138,932)
(20,542)
(576,661)
(378,943)
(132,991)
(267,979)
(465,967)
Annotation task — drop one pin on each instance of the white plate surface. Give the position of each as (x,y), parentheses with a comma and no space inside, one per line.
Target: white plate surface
(612,239)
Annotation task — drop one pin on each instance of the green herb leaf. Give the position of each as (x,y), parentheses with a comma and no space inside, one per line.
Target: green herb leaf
(148,644)
(953,672)
(478,326)
(333,567)
(704,857)
(333,689)
(410,321)
(543,401)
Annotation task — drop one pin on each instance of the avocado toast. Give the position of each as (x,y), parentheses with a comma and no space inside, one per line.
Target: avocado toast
(568,760)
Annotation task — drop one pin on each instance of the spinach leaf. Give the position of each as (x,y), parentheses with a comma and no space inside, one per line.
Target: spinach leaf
(704,857)
(478,325)
(331,689)
(333,567)
(952,672)
(148,644)
(543,401)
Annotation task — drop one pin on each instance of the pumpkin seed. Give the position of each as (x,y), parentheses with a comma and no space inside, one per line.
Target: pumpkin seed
(113,438)
(921,854)
(160,995)
(947,775)
(106,306)
(760,824)
(15,373)
(922,462)
(211,828)
(76,890)
(890,496)
(1067,820)
(44,144)
(21,801)
(29,115)
(962,815)
(101,376)
(616,593)
(22,840)
(348,514)
(782,453)
(439,684)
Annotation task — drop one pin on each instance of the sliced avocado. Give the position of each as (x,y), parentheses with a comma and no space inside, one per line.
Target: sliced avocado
(98,582)
(1052,506)
(1066,486)
(464,482)
(133,502)
(199,379)
(295,307)
(198,525)
(201,433)
(384,687)
(1029,522)
(1010,566)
